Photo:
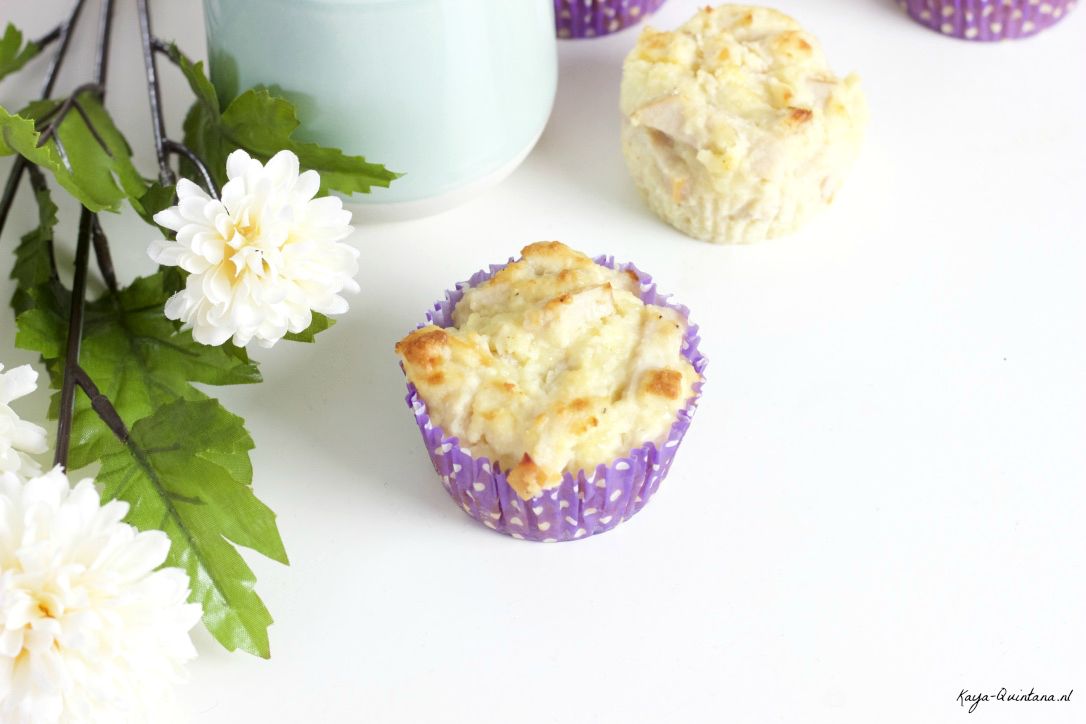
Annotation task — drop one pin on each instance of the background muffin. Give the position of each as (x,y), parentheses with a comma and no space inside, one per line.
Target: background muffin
(553,392)
(988,19)
(734,127)
(591,18)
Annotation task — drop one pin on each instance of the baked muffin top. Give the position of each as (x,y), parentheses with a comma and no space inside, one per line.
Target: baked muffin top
(554,364)
(748,89)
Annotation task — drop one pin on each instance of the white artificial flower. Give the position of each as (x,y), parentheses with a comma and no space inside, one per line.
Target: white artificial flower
(262,259)
(89,631)
(19,439)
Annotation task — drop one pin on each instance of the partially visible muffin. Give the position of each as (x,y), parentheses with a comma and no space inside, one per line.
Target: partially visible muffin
(734,127)
(553,365)
(592,18)
(988,20)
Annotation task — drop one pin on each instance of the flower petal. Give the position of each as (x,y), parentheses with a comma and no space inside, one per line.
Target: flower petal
(166,253)
(89,630)
(17,382)
(282,169)
(307,186)
(237,163)
(187,189)
(170,218)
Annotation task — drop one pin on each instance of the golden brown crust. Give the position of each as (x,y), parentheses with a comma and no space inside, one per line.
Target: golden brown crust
(548,253)
(543,371)
(558,301)
(664,383)
(793,43)
(554,249)
(579,404)
(424,347)
(583,426)
(527,478)
(799,116)
(706,86)
(652,43)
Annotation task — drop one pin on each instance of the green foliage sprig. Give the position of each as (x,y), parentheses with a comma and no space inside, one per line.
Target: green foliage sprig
(176,455)
(14,54)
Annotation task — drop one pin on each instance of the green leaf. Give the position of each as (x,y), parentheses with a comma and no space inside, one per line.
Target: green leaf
(33,262)
(185,470)
(38,332)
(101,174)
(155,199)
(203,135)
(13,54)
(200,128)
(309,334)
(136,356)
(19,135)
(264,124)
(197,80)
(37,288)
(130,179)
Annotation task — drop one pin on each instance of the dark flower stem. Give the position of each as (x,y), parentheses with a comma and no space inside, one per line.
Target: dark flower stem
(91,235)
(63,33)
(164,146)
(75,336)
(104,258)
(88,224)
(101,404)
(166,175)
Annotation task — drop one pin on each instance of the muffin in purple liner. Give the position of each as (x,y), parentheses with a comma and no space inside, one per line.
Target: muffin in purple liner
(573,505)
(988,20)
(591,18)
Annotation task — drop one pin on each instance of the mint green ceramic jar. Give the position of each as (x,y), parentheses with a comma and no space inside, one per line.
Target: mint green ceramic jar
(453,93)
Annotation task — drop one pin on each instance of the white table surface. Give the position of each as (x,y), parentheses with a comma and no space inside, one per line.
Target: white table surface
(880,502)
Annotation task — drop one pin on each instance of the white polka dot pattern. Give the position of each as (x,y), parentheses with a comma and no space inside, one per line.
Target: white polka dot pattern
(592,18)
(583,505)
(988,20)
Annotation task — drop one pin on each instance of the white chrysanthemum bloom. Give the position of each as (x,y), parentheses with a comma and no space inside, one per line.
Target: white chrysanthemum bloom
(262,259)
(19,439)
(90,631)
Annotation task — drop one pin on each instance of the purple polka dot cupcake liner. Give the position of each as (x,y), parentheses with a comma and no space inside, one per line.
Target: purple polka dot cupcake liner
(582,505)
(988,20)
(591,18)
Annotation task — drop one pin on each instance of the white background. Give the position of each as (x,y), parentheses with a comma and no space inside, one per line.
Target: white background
(881,501)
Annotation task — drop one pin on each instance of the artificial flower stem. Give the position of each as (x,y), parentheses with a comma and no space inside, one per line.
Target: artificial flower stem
(105,32)
(71,103)
(181,149)
(46,40)
(87,224)
(75,336)
(103,256)
(166,176)
(64,33)
(12,185)
(164,146)
(101,404)
(62,51)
